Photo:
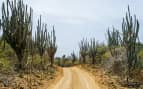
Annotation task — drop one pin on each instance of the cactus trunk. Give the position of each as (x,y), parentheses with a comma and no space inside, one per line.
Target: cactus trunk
(93,60)
(20,58)
(83,49)
(51,46)
(130,29)
(52,61)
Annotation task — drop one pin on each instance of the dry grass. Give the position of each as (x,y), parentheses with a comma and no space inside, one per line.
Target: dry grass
(33,81)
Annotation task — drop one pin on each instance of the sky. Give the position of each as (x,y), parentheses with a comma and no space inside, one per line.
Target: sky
(78,19)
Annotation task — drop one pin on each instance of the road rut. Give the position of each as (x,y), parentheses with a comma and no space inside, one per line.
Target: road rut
(76,78)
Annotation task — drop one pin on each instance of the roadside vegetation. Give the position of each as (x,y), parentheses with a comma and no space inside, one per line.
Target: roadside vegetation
(26,59)
(121,58)
(27,55)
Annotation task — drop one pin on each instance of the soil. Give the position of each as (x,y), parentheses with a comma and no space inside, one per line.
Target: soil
(36,80)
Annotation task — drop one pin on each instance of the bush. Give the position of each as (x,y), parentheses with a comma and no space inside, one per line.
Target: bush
(106,55)
(118,68)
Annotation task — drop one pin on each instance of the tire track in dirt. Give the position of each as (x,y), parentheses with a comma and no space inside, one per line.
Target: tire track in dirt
(75,78)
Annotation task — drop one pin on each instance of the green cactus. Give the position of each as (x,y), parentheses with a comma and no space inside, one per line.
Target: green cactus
(73,57)
(113,41)
(130,29)
(92,50)
(40,38)
(51,46)
(40,41)
(83,45)
(16,25)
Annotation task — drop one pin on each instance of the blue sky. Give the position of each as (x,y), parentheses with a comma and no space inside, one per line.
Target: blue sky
(75,19)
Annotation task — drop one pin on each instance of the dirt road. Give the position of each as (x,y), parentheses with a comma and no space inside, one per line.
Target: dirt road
(75,78)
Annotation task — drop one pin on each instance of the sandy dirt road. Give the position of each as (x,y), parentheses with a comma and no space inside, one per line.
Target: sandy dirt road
(75,78)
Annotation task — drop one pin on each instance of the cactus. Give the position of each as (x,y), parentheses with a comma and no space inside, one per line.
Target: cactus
(51,46)
(16,25)
(41,37)
(92,50)
(73,57)
(40,41)
(113,41)
(130,29)
(83,50)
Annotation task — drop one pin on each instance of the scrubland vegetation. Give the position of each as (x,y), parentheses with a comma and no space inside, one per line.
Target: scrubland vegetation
(27,60)
(23,59)
(122,53)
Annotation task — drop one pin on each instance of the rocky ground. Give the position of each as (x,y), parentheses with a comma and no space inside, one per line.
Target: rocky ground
(105,80)
(35,80)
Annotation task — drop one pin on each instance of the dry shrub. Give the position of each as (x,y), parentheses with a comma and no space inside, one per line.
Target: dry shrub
(118,68)
(138,75)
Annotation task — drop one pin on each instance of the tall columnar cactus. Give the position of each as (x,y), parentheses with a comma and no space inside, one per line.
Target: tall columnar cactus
(51,45)
(113,41)
(16,23)
(83,49)
(41,37)
(73,57)
(92,50)
(130,29)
